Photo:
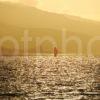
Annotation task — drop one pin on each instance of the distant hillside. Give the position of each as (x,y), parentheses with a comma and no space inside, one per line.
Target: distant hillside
(15,18)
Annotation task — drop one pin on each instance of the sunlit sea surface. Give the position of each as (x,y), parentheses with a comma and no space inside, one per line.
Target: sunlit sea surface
(49,78)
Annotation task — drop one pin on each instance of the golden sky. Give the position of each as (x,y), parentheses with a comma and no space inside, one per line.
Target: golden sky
(84,8)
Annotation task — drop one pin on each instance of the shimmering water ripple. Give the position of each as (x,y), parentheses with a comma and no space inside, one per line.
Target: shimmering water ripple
(49,78)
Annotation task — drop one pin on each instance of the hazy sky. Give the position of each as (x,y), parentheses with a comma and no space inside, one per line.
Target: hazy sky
(84,8)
